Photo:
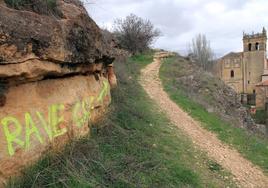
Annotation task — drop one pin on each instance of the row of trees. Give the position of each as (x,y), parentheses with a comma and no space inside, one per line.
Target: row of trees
(136,35)
(201,52)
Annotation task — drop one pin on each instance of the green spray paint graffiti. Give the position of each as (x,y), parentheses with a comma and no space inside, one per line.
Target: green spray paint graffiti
(81,114)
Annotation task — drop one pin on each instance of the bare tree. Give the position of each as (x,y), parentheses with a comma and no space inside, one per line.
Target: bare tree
(135,34)
(201,51)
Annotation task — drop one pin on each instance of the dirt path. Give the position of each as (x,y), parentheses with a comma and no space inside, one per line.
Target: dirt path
(246,174)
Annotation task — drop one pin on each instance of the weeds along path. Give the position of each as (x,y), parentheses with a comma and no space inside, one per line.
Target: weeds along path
(246,174)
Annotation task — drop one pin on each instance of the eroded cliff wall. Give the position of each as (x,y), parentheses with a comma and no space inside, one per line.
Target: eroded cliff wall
(55,78)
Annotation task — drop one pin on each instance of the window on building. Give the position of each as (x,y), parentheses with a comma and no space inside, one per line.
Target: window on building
(248,82)
(254,91)
(227,63)
(232,74)
(257,46)
(237,63)
(249,47)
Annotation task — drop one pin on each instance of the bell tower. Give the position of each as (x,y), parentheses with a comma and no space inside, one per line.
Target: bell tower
(255,42)
(254,59)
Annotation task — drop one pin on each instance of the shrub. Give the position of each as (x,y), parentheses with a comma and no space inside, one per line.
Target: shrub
(135,34)
(260,117)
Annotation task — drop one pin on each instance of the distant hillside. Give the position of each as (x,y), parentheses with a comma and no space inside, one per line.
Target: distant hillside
(210,92)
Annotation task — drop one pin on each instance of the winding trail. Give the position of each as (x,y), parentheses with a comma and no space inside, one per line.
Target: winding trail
(246,174)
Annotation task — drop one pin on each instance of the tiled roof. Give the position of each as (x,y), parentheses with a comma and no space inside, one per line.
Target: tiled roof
(233,54)
(264,83)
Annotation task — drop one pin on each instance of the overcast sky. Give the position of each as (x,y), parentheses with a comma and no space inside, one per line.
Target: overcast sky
(223,21)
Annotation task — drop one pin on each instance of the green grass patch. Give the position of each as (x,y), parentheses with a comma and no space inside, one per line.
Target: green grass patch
(136,147)
(252,147)
(142,60)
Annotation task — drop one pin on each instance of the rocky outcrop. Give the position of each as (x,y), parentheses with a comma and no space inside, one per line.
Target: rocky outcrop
(70,43)
(56,72)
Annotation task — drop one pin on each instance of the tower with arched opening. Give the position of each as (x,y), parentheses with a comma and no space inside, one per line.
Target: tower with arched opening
(254,60)
(247,72)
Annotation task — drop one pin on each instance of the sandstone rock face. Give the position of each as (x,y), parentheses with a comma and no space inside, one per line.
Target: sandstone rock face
(55,78)
(44,115)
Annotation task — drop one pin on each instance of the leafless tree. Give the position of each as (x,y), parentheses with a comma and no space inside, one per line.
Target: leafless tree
(201,51)
(135,34)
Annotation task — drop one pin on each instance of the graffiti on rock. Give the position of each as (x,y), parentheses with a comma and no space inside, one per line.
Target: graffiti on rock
(21,135)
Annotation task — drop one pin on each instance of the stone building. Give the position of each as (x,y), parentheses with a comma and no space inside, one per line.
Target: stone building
(246,72)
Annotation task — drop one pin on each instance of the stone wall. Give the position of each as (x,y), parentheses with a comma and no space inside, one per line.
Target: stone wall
(261,97)
(232,62)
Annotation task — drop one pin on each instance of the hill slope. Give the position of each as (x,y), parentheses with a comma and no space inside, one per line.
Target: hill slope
(245,172)
(173,75)
(136,146)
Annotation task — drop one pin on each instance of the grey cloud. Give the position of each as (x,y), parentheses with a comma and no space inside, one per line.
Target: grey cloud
(223,21)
